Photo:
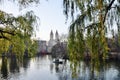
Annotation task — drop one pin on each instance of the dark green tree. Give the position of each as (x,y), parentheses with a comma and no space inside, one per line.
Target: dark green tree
(16,32)
(89,30)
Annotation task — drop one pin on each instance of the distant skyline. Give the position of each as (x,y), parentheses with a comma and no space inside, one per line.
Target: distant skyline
(50,13)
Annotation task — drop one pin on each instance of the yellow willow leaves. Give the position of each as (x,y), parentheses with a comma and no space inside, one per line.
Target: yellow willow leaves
(4,45)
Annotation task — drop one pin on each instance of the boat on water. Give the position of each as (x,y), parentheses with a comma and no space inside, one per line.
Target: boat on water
(58,61)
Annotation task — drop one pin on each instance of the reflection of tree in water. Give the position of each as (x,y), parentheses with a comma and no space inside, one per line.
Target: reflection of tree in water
(62,70)
(4,69)
(118,68)
(59,71)
(39,60)
(51,67)
(114,67)
(101,71)
(14,67)
(87,70)
(15,64)
(105,71)
(26,63)
(57,68)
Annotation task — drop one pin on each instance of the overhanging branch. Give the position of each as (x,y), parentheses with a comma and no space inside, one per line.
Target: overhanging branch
(107,9)
(4,37)
(8,32)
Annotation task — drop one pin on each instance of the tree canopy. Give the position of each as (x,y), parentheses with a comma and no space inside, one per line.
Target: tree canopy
(16,32)
(22,3)
(88,33)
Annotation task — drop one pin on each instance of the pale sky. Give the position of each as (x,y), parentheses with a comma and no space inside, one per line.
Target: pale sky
(50,13)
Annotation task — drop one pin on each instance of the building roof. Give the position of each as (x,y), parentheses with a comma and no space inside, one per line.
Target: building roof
(51,33)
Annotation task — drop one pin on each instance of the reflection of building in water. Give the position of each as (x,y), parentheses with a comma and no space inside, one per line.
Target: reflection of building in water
(61,71)
(52,41)
(42,47)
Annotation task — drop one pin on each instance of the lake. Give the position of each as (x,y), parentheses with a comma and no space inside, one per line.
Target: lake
(43,68)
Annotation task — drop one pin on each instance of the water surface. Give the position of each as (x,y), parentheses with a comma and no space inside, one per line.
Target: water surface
(43,68)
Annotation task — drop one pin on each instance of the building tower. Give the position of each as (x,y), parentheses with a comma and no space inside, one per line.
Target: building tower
(51,35)
(56,36)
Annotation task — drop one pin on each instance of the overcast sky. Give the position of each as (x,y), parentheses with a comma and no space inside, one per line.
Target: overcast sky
(50,13)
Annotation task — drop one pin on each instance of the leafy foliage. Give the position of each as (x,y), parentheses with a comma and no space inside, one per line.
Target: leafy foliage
(88,32)
(22,3)
(16,32)
(95,20)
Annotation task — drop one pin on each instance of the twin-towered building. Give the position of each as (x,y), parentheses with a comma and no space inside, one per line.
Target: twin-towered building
(52,40)
(44,46)
(57,49)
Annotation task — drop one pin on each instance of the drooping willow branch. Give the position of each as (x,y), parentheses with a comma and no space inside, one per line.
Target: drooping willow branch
(107,9)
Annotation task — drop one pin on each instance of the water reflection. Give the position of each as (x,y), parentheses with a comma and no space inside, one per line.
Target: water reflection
(43,68)
(4,70)
(107,71)
(14,65)
(26,63)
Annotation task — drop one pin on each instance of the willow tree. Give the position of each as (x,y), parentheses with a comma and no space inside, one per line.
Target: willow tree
(16,32)
(89,30)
